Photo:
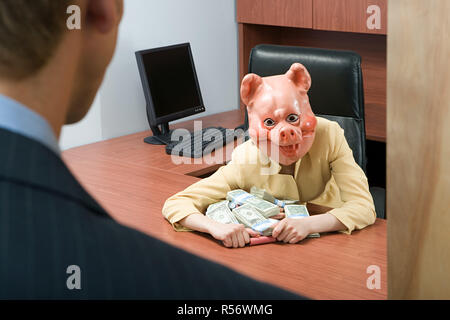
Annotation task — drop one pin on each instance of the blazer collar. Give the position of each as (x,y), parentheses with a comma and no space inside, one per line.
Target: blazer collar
(273,167)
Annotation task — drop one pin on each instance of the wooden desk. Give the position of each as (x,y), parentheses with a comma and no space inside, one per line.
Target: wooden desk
(131,148)
(132,180)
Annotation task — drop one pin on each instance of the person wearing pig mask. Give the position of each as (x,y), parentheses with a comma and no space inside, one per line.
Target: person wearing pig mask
(292,154)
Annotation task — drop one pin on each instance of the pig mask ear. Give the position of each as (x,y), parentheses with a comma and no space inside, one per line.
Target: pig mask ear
(299,76)
(249,86)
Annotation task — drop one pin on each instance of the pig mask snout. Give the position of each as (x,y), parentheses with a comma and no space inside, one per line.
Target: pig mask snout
(286,134)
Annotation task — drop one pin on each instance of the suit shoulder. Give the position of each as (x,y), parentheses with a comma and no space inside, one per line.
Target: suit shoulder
(327,136)
(325,125)
(327,129)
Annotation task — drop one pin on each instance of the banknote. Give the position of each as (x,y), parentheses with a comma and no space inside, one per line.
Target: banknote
(220,212)
(240,197)
(215,205)
(265,227)
(248,215)
(263,194)
(288,201)
(314,235)
(298,212)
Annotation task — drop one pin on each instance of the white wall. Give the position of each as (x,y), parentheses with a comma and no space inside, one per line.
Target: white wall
(209,25)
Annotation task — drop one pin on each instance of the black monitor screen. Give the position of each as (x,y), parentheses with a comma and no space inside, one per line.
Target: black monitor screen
(172,80)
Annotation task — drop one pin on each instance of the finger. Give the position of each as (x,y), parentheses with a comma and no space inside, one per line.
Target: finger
(277,216)
(289,237)
(283,234)
(295,239)
(279,228)
(227,243)
(234,240)
(246,236)
(240,238)
(252,233)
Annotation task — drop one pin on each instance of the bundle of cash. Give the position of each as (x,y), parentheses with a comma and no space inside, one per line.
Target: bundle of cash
(288,201)
(250,217)
(265,227)
(220,212)
(263,194)
(216,205)
(240,197)
(298,212)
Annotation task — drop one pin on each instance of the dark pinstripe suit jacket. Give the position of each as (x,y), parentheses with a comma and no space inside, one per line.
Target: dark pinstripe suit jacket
(49,222)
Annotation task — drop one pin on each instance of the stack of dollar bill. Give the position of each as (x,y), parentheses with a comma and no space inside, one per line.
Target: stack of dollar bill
(240,197)
(250,217)
(295,211)
(263,194)
(221,212)
(254,211)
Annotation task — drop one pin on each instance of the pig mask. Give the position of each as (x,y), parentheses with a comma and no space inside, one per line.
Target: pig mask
(281,121)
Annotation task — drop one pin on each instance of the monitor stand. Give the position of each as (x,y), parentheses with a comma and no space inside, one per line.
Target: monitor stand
(160,136)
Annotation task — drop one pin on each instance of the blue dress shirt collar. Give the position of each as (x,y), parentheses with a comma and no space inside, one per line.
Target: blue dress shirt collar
(19,119)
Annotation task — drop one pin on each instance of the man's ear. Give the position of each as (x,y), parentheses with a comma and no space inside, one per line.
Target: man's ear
(299,76)
(249,87)
(102,15)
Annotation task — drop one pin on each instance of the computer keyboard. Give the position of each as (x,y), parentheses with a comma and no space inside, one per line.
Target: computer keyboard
(199,143)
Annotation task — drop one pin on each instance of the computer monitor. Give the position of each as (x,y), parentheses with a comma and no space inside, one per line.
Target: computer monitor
(170,86)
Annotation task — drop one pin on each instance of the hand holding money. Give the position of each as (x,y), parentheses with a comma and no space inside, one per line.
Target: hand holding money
(291,230)
(226,225)
(259,213)
(232,235)
(299,212)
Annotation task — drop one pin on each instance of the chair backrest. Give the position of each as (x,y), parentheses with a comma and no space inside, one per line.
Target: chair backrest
(336,91)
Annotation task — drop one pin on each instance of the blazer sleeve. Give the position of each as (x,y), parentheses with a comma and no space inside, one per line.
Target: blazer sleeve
(197,197)
(358,210)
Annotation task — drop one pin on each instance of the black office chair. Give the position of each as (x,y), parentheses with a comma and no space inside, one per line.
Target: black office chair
(336,92)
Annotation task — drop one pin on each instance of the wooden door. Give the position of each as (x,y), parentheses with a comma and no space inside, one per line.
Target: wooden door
(418,149)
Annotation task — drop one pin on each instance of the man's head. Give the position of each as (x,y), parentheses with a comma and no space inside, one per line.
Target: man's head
(281,121)
(35,43)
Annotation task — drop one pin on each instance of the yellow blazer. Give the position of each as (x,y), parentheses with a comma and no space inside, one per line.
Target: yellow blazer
(327,175)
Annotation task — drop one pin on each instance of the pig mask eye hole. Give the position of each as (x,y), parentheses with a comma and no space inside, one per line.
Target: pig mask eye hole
(292,118)
(269,122)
